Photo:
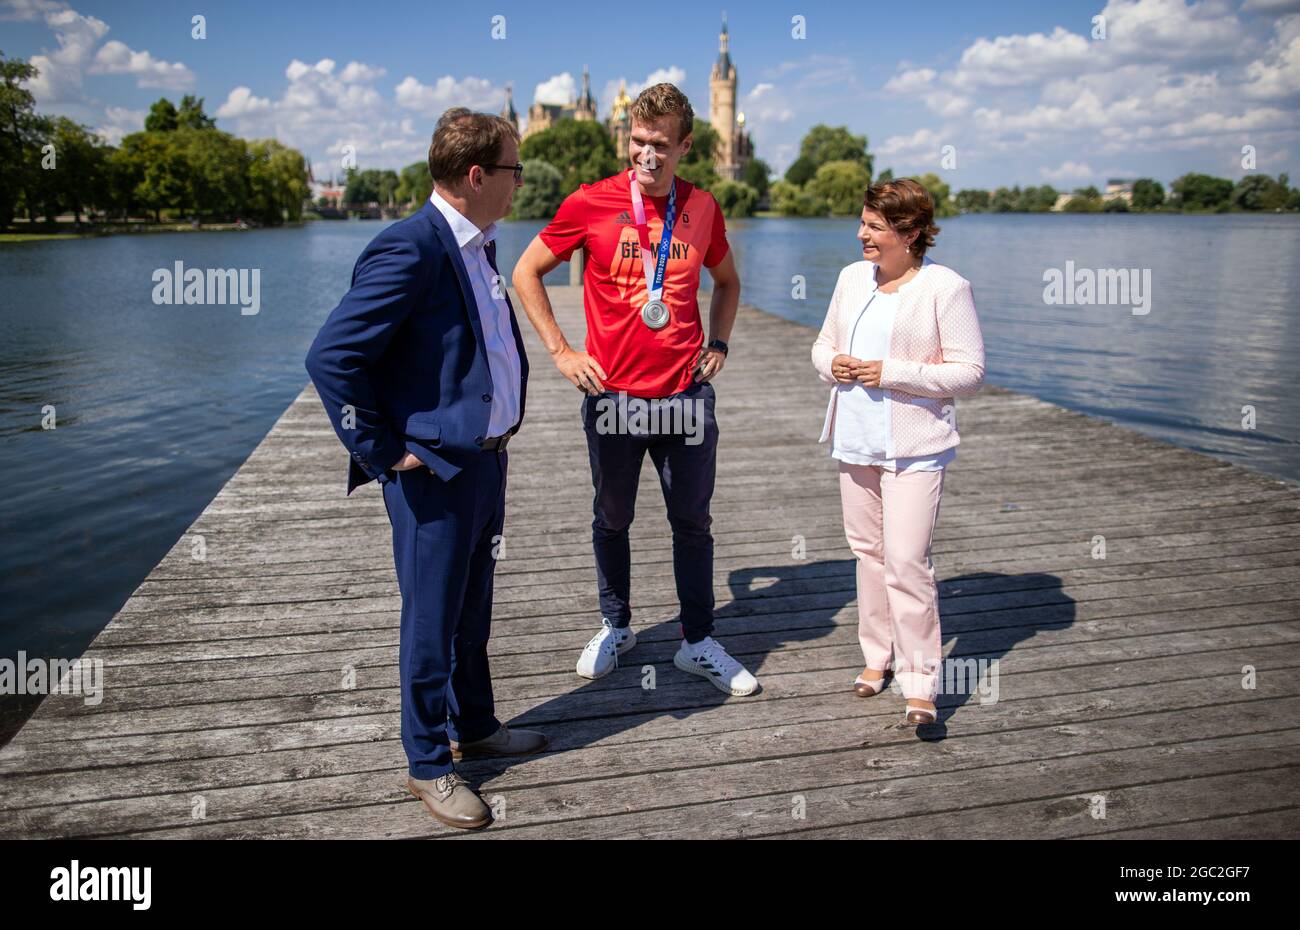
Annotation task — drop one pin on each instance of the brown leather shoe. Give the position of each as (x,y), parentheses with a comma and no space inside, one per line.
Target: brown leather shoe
(504,742)
(451,800)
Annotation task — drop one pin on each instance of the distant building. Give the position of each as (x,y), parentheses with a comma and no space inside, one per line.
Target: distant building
(545,115)
(735,148)
(325,193)
(1118,189)
(1061,201)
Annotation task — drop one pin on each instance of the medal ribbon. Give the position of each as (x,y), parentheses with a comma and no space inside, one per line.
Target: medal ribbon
(654,279)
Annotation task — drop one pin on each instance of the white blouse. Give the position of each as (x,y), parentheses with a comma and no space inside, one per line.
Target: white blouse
(862,434)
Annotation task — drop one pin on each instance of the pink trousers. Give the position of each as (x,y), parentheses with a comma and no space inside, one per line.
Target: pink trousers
(889,521)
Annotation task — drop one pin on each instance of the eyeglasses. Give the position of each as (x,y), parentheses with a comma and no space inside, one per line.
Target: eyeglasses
(517,169)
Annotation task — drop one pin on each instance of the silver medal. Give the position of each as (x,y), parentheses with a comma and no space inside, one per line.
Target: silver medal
(655,314)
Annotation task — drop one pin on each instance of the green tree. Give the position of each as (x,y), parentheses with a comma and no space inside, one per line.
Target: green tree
(152,169)
(1148,194)
(79,172)
(1005,200)
(582,150)
(162,117)
(801,171)
(1039,199)
(371,186)
(792,200)
(542,193)
(216,173)
(842,185)
(972,200)
(736,198)
(697,165)
(824,144)
(191,115)
(277,182)
(1201,192)
(21,132)
(414,184)
(755,174)
(1259,192)
(939,192)
(886,175)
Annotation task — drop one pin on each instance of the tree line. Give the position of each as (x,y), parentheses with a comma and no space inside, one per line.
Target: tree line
(1191,193)
(180,166)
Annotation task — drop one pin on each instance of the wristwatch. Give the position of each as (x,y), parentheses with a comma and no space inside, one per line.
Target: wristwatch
(719,345)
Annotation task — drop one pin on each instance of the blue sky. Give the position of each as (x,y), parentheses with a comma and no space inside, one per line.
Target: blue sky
(1023,92)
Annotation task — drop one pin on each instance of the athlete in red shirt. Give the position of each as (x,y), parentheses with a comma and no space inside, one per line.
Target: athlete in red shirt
(646,346)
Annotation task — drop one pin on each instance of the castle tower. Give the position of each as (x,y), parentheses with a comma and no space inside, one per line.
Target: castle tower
(508,112)
(620,122)
(722,109)
(586,105)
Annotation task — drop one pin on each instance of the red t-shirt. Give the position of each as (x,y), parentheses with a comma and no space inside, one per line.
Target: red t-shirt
(600,219)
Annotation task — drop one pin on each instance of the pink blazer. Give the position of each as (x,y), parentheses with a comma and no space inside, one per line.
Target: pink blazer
(936,353)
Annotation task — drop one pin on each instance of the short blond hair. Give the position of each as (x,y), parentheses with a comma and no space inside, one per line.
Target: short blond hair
(664,100)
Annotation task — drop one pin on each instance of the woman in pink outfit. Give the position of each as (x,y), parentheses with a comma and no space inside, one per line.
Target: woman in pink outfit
(901,340)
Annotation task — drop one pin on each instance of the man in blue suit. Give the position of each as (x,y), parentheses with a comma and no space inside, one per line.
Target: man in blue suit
(423,374)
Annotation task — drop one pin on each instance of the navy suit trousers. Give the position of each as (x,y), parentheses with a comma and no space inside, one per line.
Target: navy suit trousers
(445,535)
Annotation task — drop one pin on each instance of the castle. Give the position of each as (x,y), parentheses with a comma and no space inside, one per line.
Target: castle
(735,147)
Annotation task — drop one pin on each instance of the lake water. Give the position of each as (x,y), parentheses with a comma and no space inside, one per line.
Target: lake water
(157,406)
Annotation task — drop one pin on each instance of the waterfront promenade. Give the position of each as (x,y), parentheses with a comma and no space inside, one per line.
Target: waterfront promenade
(254,693)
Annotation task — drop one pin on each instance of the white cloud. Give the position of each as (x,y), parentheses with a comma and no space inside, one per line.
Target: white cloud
(1276,74)
(1068,171)
(433,100)
(328,111)
(58,85)
(558,89)
(115,57)
(118,122)
(911,82)
(355,72)
(1168,76)
(59,73)
(28,10)
(1018,60)
(241,102)
(920,149)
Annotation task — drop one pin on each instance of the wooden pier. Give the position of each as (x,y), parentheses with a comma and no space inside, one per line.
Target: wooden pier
(1154,692)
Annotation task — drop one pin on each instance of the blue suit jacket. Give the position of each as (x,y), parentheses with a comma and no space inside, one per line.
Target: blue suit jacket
(400,363)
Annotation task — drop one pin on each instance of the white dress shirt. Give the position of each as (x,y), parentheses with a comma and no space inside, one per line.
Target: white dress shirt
(863,427)
(493,313)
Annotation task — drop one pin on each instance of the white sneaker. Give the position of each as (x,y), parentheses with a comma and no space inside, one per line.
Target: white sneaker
(600,656)
(709,660)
